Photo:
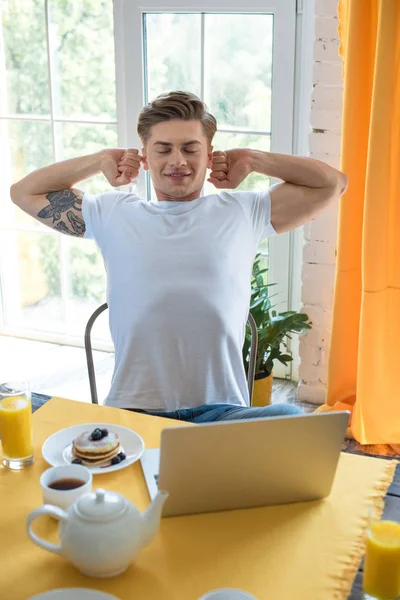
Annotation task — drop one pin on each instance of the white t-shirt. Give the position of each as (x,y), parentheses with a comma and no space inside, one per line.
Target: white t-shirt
(179,285)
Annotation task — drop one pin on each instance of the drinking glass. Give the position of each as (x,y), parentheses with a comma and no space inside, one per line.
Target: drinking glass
(381,577)
(16,424)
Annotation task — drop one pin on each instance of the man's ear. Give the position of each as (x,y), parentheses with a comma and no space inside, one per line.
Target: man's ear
(144,160)
(210,157)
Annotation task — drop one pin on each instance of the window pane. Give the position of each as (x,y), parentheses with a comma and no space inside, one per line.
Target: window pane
(84,265)
(27,146)
(86,285)
(238,68)
(264,247)
(227,141)
(25,87)
(83,63)
(31,146)
(173,53)
(32,288)
(75,139)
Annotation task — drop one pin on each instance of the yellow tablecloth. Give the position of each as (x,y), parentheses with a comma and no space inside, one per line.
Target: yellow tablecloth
(307,551)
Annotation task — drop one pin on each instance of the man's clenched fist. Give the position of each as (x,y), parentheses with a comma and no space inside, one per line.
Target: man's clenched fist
(120,166)
(230,168)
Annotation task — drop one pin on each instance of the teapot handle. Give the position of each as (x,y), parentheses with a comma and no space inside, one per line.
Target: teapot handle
(52,511)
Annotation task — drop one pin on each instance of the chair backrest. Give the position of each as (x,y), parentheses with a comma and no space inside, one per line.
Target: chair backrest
(90,364)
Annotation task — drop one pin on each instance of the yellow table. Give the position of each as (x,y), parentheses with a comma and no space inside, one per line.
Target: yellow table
(266,551)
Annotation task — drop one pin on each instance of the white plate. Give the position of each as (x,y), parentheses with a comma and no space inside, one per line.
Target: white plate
(74,594)
(57,448)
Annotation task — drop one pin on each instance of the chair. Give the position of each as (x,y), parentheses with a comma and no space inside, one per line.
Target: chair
(90,364)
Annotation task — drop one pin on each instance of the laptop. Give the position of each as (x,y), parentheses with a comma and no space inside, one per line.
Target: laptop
(242,464)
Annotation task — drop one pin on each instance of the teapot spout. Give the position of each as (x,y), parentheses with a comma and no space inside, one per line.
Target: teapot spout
(151,518)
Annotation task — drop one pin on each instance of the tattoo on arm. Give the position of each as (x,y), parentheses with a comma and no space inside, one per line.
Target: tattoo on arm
(61,226)
(61,202)
(78,224)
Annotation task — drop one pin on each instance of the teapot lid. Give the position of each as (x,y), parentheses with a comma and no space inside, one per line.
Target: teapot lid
(100,505)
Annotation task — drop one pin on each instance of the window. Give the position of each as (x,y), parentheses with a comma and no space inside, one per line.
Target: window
(240,61)
(57,101)
(65,93)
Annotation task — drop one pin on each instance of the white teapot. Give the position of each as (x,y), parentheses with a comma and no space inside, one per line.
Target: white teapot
(102,532)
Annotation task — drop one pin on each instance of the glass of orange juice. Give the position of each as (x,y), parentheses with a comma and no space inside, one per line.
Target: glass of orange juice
(16,424)
(381,578)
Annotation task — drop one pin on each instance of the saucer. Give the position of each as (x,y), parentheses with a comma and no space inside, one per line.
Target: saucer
(57,449)
(74,594)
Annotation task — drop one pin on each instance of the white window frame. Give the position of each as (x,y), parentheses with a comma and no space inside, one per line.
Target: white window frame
(129,53)
(305,36)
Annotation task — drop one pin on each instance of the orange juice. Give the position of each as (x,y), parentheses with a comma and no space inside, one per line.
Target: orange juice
(382,561)
(16,427)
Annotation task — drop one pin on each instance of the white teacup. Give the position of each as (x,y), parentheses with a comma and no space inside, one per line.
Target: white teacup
(227,594)
(64,498)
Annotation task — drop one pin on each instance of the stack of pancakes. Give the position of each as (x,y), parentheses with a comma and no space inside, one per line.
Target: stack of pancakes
(96,452)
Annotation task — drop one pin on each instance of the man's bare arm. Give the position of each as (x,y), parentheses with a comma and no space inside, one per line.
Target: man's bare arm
(49,195)
(308,187)
(63,212)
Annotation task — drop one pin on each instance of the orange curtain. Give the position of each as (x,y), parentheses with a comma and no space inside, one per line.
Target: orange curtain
(364,365)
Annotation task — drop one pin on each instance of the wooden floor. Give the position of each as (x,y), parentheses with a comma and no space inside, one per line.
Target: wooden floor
(61,371)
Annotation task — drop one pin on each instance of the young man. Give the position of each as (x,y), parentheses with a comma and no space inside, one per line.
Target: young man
(179,268)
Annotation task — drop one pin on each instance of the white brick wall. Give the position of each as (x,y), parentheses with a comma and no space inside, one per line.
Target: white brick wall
(326,50)
(326,8)
(319,249)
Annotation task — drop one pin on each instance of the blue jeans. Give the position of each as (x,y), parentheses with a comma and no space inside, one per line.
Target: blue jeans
(209,413)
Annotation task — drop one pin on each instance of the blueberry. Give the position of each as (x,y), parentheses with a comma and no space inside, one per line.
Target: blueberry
(122,455)
(96,435)
(77,461)
(115,460)
(104,432)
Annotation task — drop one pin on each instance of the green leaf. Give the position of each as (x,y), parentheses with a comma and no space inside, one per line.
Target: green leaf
(273,327)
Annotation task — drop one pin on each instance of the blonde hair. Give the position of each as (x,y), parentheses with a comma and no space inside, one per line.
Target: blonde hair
(175,105)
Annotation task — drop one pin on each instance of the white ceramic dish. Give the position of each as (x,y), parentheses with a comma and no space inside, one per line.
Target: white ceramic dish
(227,594)
(57,449)
(74,594)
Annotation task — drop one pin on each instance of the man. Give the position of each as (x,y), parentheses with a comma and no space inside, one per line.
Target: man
(179,268)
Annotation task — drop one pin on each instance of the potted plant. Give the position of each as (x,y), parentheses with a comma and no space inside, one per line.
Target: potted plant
(273,330)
